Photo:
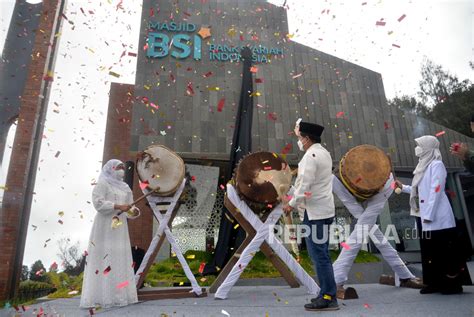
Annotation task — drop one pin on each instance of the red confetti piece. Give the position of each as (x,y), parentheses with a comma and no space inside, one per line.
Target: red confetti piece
(395,45)
(172,78)
(154,106)
(340,114)
(208,74)
(380,23)
(393,185)
(220,105)
(272,116)
(107,270)
(308,194)
(386,125)
(57,154)
(289,197)
(270,206)
(132,54)
(96,271)
(241,37)
(440,133)
(222,187)
(345,246)
(253,69)
(189,89)
(267,168)
(456,147)
(143,185)
(287,148)
(201,267)
(367,306)
(91,311)
(152,12)
(437,189)
(401,18)
(122,285)
(193,178)
(259,80)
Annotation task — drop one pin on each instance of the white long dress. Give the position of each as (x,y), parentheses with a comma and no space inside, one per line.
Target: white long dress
(108,276)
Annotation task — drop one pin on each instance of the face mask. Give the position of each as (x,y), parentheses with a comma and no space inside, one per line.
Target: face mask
(418,151)
(119,174)
(301,146)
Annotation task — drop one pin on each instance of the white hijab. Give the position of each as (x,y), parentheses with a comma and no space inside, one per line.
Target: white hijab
(428,151)
(109,175)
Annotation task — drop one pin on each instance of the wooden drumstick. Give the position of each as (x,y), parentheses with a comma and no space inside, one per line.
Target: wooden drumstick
(397,190)
(136,201)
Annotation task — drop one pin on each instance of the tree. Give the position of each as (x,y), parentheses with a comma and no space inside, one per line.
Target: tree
(437,84)
(455,111)
(410,104)
(24,273)
(37,271)
(69,254)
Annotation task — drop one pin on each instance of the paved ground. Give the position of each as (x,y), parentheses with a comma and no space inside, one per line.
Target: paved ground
(273,301)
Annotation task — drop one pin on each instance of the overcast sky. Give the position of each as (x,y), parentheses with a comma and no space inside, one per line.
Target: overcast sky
(89,49)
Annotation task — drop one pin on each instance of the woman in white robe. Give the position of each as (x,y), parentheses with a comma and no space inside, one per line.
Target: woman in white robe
(109,276)
(441,264)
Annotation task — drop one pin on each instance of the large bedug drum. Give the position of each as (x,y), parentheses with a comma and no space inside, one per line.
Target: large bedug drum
(364,170)
(159,167)
(262,180)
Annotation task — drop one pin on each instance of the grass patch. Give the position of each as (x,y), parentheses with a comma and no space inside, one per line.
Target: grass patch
(169,271)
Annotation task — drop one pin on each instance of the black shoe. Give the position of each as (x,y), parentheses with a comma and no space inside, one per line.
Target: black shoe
(452,290)
(320,304)
(429,290)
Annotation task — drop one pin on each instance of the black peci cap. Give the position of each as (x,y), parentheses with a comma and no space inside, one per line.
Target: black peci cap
(311,129)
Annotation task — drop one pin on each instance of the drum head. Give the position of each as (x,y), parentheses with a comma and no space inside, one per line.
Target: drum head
(263,177)
(366,168)
(158,166)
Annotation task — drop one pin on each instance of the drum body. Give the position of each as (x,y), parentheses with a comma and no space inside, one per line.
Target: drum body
(158,166)
(262,179)
(364,170)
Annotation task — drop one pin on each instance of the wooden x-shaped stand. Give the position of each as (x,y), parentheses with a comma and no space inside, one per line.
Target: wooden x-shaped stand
(155,245)
(259,237)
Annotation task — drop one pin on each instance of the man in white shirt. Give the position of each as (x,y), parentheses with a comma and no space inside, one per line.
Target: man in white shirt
(314,200)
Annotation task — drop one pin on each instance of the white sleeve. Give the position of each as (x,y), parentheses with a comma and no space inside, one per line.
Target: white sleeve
(98,199)
(308,169)
(354,207)
(378,201)
(406,189)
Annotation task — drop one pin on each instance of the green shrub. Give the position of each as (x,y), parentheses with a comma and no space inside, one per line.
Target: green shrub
(33,289)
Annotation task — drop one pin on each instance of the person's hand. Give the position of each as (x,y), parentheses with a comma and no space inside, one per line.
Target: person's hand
(287,209)
(399,184)
(426,221)
(459,150)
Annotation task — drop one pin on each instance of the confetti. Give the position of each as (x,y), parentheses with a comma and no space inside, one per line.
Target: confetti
(193,178)
(222,187)
(208,74)
(57,154)
(122,285)
(201,267)
(61,213)
(401,18)
(267,168)
(437,189)
(380,23)
(386,125)
(296,76)
(236,226)
(114,74)
(340,114)
(143,185)
(191,256)
(225,313)
(308,194)
(259,80)
(253,69)
(214,88)
(367,305)
(345,246)
(272,116)
(189,89)
(132,54)
(107,270)
(49,76)
(395,45)
(73,292)
(287,148)
(220,105)
(440,133)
